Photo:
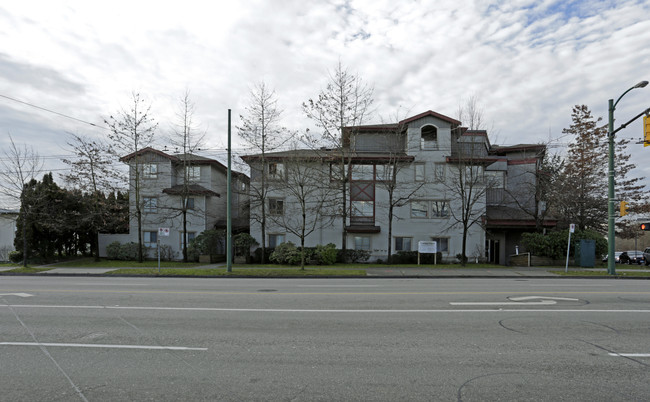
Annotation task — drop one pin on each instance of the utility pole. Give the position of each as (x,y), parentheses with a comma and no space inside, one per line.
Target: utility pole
(228,206)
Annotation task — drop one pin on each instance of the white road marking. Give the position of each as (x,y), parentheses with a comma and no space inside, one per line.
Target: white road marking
(270,310)
(522,298)
(630,354)
(90,345)
(517,301)
(338,286)
(108,284)
(504,303)
(16,294)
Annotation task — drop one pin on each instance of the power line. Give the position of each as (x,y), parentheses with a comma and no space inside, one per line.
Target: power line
(52,111)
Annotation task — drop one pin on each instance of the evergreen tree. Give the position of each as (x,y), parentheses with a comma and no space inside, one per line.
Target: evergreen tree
(582,198)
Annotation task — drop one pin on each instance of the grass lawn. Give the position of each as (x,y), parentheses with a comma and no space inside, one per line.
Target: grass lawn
(91,263)
(27,270)
(259,272)
(602,273)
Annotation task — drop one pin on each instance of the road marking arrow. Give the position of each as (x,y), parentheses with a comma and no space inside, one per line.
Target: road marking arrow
(16,294)
(518,301)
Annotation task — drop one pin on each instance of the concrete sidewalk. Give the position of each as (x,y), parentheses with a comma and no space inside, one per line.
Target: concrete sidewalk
(391,272)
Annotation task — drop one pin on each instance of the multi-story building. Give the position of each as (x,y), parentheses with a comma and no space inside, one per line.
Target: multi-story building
(7,232)
(171,186)
(437,179)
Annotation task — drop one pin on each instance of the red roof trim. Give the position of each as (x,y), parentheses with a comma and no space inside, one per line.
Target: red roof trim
(522,161)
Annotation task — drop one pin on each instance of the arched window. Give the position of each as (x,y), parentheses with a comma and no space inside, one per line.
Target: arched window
(429,137)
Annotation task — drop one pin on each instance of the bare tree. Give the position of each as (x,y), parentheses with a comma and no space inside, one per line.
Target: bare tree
(262,131)
(132,130)
(468,186)
(19,167)
(393,138)
(92,171)
(187,140)
(307,202)
(345,102)
(471,114)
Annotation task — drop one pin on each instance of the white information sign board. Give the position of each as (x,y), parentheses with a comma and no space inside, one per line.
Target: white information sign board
(427,247)
(572,228)
(164,232)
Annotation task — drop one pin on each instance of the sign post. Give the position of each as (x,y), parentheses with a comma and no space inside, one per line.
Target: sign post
(428,247)
(162,232)
(572,229)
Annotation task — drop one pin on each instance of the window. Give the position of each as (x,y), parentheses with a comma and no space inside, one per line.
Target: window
(474,174)
(439,171)
(429,209)
(385,172)
(403,243)
(363,172)
(335,171)
(276,206)
(150,205)
(150,170)
(189,203)
(193,173)
(439,209)
(276,171)
(363,208)
(275,240)
(190,237)
(419,172)
(495,179)
(442,244)
(429,137)
(362,243)
(150,238)
(419,209)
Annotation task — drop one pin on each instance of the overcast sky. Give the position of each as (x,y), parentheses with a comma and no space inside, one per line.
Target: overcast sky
(528,62)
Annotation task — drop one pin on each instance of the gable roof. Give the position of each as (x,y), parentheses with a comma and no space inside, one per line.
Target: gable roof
(143,151)
(432,114)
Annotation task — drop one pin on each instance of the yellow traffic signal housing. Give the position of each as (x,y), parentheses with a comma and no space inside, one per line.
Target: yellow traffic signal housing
(623,208)
(646,131)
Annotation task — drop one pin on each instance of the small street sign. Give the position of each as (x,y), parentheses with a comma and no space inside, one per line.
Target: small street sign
(164,232)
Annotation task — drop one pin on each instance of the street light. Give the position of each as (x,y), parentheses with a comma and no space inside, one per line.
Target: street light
(611,232)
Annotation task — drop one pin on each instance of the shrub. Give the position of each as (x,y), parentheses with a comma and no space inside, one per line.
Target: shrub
(325,255)
(554,244)
(113,250)
(243,243)
(166,252)
(411,257)
(257,255)
(15,256)
(355,255)
(128,251)
(286,253)
(209,242)
(118,251)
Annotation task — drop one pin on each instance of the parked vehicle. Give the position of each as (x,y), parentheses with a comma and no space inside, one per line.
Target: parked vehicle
(635,257)
(646,256)
(616,257)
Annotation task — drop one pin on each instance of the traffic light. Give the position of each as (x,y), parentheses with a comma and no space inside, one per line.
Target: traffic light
(623,208)
(646,131)
(645,226)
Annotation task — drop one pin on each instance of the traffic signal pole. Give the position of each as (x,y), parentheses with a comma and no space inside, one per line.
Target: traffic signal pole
(611,229)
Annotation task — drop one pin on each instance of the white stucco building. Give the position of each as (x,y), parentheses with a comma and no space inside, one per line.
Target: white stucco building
(440,167)
(166,181)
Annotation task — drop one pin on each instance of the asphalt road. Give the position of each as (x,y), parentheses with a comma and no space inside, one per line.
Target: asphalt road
(321,339)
